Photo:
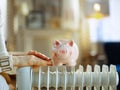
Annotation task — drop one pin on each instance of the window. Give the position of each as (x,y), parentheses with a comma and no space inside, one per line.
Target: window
(107,29)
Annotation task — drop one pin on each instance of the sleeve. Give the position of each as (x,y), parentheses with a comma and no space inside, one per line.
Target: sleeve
(6,61)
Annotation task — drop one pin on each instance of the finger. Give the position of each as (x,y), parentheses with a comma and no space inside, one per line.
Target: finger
(39,55)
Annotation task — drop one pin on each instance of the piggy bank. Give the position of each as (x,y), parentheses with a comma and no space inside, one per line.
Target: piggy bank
(65,52)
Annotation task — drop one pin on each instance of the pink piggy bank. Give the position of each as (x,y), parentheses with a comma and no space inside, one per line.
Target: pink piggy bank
(65,52)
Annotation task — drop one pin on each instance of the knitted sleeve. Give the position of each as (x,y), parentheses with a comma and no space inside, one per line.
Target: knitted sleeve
(5,58)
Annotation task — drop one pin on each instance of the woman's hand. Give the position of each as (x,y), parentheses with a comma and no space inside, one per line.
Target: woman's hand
(32,58)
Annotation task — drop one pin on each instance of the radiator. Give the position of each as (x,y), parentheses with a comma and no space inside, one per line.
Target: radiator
(68,78)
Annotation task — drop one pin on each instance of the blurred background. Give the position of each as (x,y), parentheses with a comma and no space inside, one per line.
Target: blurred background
(93,24)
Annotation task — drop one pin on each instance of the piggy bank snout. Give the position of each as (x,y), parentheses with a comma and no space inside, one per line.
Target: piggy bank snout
(62,51)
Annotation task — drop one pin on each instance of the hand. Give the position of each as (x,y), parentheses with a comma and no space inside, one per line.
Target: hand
(32,58)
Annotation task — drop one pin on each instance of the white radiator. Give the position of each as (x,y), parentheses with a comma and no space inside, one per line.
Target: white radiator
(68,78)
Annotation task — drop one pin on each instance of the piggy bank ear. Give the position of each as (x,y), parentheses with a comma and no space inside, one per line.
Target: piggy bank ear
(56,43)
(70,43)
